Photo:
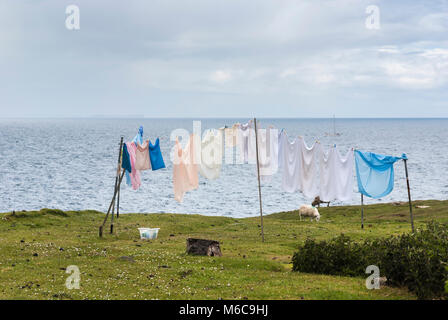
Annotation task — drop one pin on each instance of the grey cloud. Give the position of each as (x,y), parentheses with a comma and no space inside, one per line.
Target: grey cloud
(223,58)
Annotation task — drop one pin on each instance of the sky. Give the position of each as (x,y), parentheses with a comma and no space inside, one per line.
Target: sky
(226,58)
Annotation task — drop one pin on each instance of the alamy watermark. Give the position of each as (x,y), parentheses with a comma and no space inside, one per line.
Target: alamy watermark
(73,281)
(373,281)
(373,20)
(211,146)
(72,21)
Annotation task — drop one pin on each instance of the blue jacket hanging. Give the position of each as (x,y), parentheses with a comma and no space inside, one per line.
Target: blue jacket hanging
(125,160)
(155,156)
(138,139)
(375,173)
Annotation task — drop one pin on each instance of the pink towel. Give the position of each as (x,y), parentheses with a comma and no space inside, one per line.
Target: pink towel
(185,169)
(142,157)
(135,174)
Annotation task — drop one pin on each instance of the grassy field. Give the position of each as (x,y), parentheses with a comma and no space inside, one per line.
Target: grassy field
(36,248)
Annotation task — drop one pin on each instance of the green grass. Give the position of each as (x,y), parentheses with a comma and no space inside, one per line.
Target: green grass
(161,269)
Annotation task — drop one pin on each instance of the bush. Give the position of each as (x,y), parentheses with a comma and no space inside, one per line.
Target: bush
(417,261)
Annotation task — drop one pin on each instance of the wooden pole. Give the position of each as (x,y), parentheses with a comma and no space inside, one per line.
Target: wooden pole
(118,179)
(116,185)
(118,201)
(409,192)
(362,211)
(110,206)
(259,185)
(112,218)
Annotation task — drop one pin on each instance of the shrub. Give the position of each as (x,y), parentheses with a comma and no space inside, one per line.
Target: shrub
(417,261)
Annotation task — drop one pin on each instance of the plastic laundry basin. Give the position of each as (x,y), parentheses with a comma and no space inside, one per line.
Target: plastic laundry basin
(148,233)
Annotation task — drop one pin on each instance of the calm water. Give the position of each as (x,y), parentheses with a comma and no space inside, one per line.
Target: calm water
(70,164)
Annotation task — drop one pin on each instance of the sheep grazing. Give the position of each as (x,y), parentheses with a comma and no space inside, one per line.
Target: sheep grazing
(309,211)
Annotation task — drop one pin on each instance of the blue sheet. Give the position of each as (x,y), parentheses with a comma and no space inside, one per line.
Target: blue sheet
(155,155)
(375,173)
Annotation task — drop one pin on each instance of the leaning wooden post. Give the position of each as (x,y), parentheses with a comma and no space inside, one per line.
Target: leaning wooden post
(409,192)
(259,185)
(118,200)
(117,176)
(362,211)
(110,206)
(112,203)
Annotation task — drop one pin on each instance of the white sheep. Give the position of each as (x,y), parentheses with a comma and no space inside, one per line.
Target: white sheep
(309,211)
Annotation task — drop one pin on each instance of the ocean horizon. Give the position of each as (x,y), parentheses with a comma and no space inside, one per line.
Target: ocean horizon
(69,164)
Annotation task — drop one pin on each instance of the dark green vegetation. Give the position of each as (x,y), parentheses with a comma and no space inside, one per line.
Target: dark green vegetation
(415,260)
(36,248)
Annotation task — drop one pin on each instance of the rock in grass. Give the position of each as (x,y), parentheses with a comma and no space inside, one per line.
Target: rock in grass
(127,258)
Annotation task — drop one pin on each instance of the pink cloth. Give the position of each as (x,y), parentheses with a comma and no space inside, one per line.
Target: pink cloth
(135,174)
(142,161)
(185,169)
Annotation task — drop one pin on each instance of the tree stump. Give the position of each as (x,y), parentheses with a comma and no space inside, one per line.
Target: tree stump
(203,247)
(316,202)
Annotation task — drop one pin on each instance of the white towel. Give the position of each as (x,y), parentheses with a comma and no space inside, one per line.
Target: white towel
(246,144)
(211,154)
(336,175)
(309,179)
(289,158)
(268,152)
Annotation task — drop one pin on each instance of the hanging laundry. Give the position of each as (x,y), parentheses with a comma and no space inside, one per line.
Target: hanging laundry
(155,156)
(231,136)
(138,139)
(142,161)
(230,141)
(246,143)
(185,169)
(336,175)
(289,153)
(308,175)
(135,174)
(267,152)
(243,143)
(211,154)
(280,148)
(375,173)
(125,161)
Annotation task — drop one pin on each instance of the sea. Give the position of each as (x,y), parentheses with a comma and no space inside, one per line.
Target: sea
(71,164)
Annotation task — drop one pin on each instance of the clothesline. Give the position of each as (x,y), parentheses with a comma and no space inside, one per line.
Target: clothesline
(307,169)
